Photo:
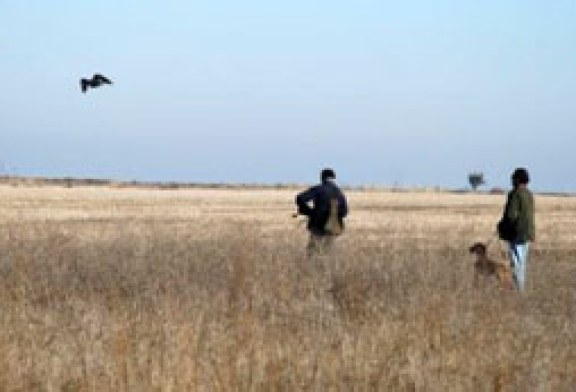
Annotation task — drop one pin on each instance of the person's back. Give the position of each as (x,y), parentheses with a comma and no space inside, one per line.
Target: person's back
(520,212)
(517,223)
(329,207)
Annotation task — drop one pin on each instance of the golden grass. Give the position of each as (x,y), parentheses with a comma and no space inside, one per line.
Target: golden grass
(168,290)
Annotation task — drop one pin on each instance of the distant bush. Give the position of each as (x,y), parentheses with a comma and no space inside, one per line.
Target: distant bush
(476,179)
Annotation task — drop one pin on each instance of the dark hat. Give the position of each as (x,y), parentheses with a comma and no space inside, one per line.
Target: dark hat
(521,176)
(327,174)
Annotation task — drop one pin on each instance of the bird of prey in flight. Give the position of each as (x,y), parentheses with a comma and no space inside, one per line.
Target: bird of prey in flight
(96,81)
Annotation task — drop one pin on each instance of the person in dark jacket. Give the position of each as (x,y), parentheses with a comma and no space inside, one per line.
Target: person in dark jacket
(326,212)
(517,225)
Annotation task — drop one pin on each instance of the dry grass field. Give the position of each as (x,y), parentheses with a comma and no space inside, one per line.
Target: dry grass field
(106,289)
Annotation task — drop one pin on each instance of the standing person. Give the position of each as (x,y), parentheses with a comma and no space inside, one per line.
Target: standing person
(327,212)
(517,225)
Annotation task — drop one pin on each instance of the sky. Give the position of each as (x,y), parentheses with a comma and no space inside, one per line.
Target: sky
(388,93)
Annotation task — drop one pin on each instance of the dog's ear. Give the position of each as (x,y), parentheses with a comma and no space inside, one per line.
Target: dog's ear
(478,248)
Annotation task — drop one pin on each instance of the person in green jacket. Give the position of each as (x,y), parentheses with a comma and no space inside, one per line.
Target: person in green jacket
(517,225)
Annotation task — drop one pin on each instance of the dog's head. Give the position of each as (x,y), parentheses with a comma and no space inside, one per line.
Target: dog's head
(478,248)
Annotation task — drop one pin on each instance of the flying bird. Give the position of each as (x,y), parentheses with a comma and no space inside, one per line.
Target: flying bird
(96,81)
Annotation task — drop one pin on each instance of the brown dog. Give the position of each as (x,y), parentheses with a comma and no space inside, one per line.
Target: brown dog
(485,268)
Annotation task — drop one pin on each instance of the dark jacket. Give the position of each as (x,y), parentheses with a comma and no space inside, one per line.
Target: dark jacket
(320,196)
(517,223)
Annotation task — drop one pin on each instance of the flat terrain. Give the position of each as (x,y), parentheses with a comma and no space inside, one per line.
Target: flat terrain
(210,289)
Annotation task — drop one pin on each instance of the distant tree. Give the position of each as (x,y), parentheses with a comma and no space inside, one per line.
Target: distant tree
(476,179)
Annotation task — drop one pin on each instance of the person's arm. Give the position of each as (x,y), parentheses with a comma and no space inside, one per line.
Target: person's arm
(513,208)
(303,199)
(533,205)
(342,205)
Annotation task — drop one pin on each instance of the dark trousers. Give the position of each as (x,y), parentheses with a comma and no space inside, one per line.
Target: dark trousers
(319,244)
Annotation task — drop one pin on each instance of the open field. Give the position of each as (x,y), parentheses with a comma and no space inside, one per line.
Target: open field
(210,289)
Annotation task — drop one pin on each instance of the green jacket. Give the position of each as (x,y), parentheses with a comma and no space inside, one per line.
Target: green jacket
(519,212)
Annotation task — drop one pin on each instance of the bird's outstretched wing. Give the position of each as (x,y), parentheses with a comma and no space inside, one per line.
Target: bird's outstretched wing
(83,85)
(101,78)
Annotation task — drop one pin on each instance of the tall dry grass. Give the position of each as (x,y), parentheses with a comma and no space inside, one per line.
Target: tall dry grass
(135,290)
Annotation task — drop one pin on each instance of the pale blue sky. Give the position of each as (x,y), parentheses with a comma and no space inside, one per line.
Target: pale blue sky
(407,93)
